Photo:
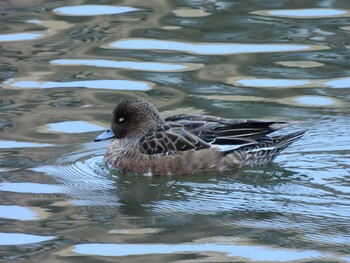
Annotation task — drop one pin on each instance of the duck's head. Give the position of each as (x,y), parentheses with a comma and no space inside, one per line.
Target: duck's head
(131,119)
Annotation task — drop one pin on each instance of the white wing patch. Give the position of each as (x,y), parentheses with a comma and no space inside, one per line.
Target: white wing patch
(261,149)
(229,147)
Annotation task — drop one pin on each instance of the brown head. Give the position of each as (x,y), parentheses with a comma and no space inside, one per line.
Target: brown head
(133,118)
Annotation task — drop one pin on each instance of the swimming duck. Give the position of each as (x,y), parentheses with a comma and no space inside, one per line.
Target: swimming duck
(147,144)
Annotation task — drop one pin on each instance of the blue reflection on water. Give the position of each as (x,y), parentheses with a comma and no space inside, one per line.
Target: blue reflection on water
(249,252)
(314,100)
(316,12)
(17,212)
(92,10)
(274,82)
(7,239)
(207,48)
(91,84)
(31,188)
(145,66)
(19,36)
(15,144)
(74,127)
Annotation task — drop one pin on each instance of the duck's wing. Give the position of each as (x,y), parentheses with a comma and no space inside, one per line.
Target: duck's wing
(221,131)
(169,139)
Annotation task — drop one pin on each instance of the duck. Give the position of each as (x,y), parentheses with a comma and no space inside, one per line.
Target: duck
(145,143)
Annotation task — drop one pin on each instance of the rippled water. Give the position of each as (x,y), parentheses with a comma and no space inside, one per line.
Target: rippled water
(65,64)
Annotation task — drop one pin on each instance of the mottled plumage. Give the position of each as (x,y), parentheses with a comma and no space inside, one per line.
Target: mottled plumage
(180,144)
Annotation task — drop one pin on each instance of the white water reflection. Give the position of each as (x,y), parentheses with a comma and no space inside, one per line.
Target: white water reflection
(255,253)
(53,27)
(10,239)
(144,66)
(17,212)
(32,188)
(16,144)
(315,101)
(171,27)
(305,13)
(311,101)
(74,127)
(300,64)
(337,83)
(208,48)
(265,83)
(91,84)
(190,12)
(93,10)
(299,101)
(139,231)
(20,36)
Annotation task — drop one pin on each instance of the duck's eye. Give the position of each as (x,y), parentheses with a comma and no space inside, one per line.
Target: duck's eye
(120,120)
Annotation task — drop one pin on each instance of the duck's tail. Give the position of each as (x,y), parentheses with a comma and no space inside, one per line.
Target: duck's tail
(264,150)
(283,141)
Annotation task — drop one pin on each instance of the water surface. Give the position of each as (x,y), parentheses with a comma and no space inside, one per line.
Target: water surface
(65,64)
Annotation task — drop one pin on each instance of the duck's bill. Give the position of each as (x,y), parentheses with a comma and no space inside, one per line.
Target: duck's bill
(109,134)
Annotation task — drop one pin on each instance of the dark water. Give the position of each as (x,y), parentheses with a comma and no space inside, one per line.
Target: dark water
(64,66)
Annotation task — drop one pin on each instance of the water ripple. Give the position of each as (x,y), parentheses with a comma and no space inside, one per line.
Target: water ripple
(208,48)
(82,178)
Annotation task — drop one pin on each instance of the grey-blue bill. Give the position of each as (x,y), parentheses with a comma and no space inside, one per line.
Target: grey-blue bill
(108,134)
